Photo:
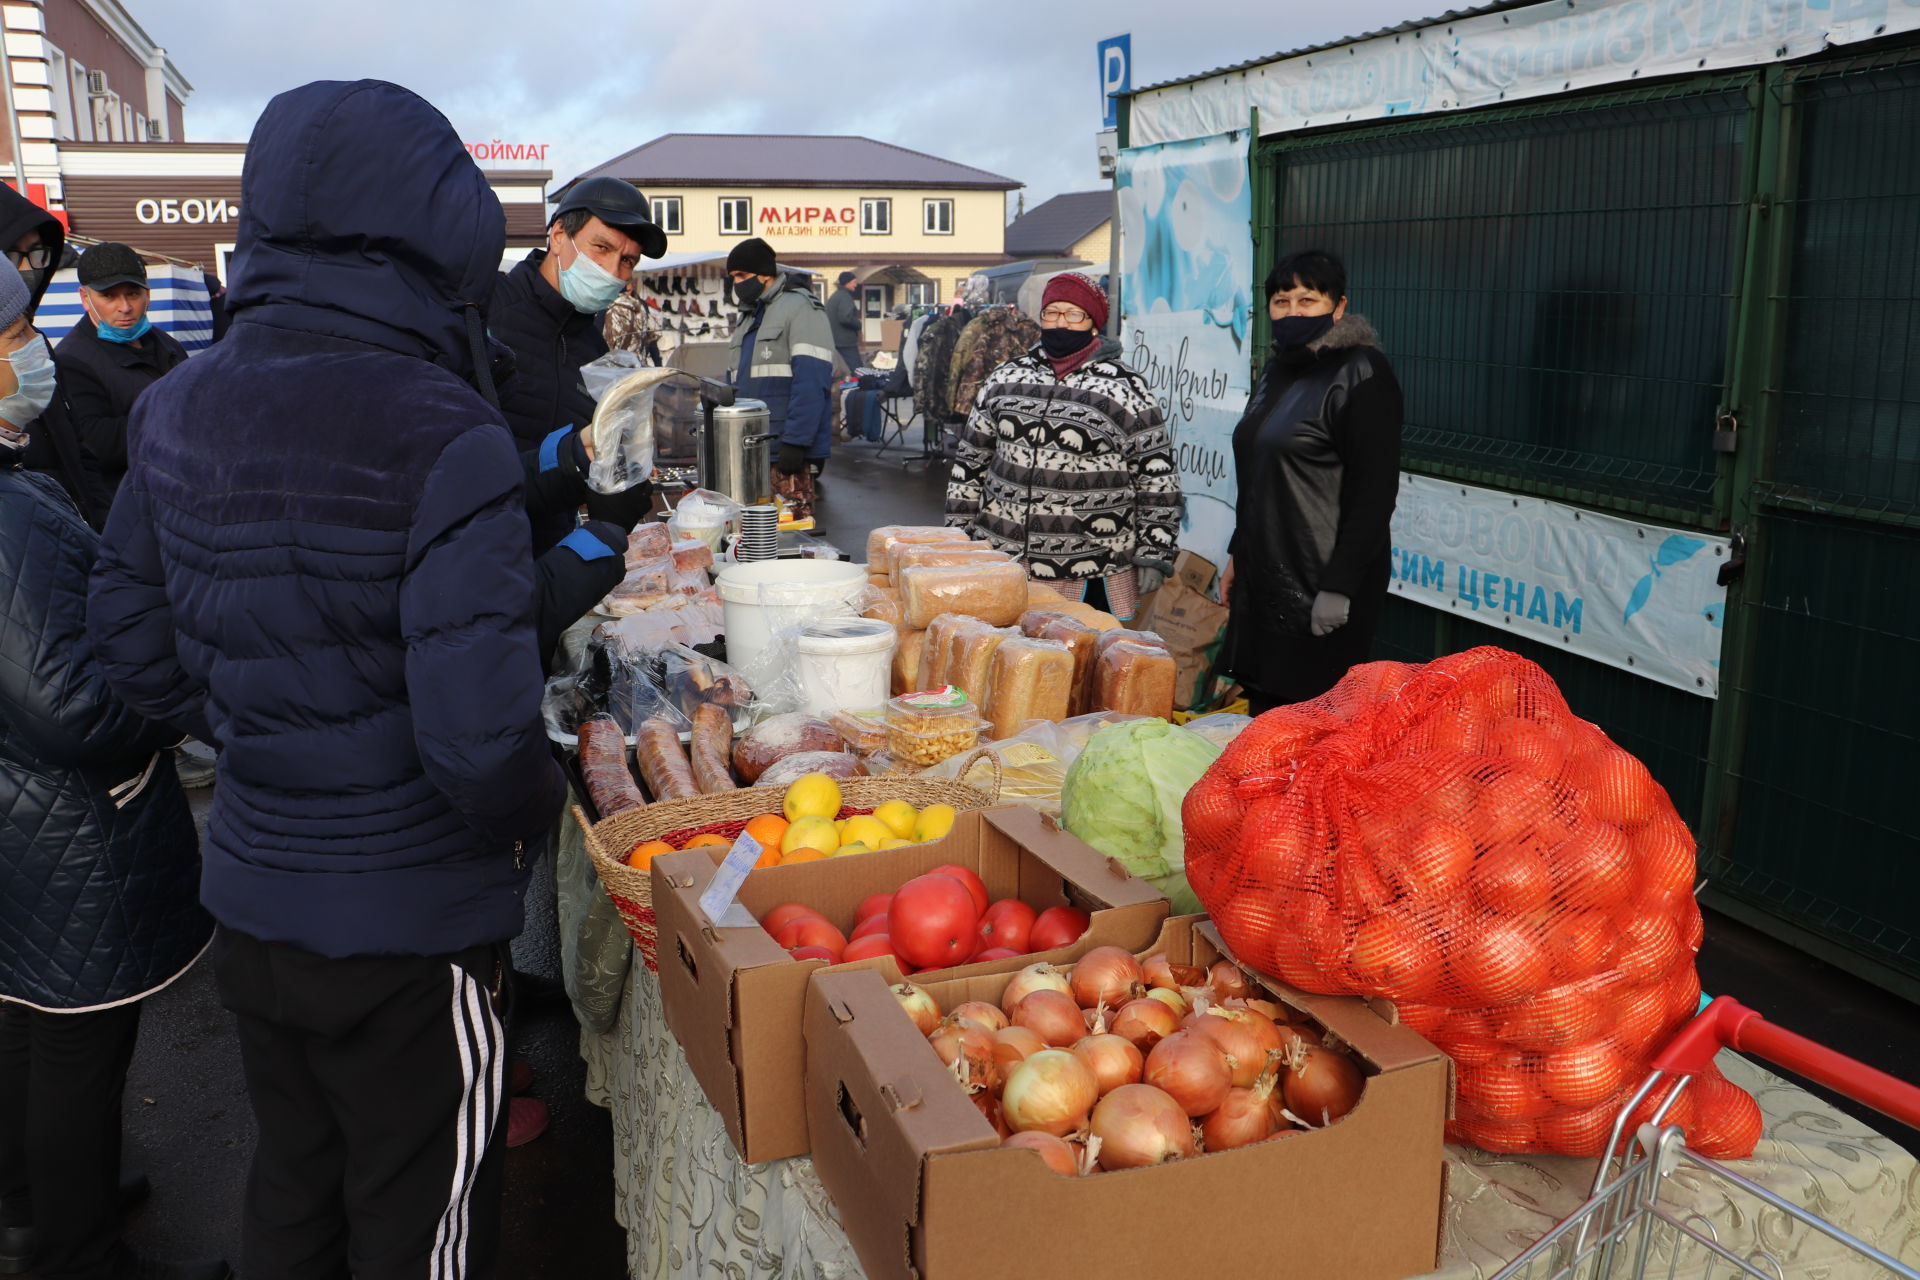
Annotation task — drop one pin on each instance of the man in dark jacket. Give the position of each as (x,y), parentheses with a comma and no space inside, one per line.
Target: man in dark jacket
(843,313)
(108,359)
(547,311)
(318,562)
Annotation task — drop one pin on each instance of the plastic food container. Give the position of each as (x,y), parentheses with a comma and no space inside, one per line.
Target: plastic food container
(864,731)
(927,727)
(844,662)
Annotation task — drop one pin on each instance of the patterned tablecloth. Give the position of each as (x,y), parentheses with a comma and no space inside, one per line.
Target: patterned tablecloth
(690,1207)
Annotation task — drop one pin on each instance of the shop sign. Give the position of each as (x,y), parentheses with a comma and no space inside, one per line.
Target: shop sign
(497,150)
(806,220)
(194,210)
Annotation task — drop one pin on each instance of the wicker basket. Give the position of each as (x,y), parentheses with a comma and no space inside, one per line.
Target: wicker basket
(725,813)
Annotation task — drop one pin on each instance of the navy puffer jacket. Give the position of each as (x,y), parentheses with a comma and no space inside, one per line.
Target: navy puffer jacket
(99,864)
(319,560)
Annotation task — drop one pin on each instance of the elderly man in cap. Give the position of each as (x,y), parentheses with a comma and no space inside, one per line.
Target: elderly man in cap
(106,361)
(843,313)
(547,311)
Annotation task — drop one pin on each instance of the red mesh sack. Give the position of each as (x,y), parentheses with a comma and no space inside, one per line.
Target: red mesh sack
(1452,837)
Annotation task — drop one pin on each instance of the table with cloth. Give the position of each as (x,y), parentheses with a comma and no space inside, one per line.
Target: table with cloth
(690,1207)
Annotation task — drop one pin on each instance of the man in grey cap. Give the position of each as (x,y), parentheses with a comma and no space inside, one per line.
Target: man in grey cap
(843,313)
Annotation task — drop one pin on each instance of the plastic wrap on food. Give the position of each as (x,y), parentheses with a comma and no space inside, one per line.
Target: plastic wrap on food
(1122,635)
(929,725)
(884,603)
(883,537)
(944,635)
(647,542)
(835,764)
(1032,763)
(1029,680)
(663,761)
(864,731)
(1098,619)
(995,593)
(908,655)
(622,426)
(1042,596)
(1084,642)
(1221,727)
(689,582)
(711,747)
(970,660)
(1135,678)
(603,767)
(692,553)
(693,680)
(909,555)
(776,738)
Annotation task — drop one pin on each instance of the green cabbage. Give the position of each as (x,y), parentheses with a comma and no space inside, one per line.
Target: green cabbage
(1123,796)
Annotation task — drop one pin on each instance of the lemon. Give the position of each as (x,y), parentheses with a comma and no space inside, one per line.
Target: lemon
(847,850)
(812,795)
(934,822)
(810,833)
(894,842)
(899,817)
(861,829)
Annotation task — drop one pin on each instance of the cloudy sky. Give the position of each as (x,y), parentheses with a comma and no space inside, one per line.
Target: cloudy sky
(1006,85)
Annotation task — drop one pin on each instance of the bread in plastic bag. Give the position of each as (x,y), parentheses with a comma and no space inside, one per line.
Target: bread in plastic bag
(880,541)
(1029,679)
(995,593)
(835,764)
(774,739)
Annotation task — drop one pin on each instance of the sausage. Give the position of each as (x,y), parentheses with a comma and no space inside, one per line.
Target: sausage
(603,767)
(712,742)
(662,761)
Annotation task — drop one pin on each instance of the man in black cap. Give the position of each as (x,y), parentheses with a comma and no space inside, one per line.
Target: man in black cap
(843,313)
(108,359)
(782,354)
(547,311)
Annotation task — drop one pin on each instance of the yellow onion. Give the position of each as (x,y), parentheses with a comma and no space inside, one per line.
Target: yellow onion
(1172,999)
(1246,1116)
(967,1049)
(987,1015)
(1055,1152)
(1051,1092)
(1053,1015)
(1138,1125)
(1192,1068)
(1035,977)
(1015,1044)
(1107,976)
(1227,980)
(990,1108)
(1113,1061)
(919,1004)
(1157,972)
(1321,1085)
(1144,1023)
(1242,1035)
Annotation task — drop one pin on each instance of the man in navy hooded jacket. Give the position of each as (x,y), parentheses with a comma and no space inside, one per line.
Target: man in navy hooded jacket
(319,561)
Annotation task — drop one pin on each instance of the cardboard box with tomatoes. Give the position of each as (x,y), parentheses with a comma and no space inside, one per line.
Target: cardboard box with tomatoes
(734,995)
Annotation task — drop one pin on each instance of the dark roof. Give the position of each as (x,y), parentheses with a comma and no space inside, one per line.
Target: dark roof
(1054,227)
(1451,15)
(787,160)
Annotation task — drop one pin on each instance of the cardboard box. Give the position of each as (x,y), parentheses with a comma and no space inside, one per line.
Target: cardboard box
(1196,571)
(925,1191)
(734,999)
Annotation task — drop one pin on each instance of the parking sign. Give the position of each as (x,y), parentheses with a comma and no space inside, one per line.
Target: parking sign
(1116,76)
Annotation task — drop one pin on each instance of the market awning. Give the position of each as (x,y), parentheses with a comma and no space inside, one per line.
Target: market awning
(890,274)
(699,258)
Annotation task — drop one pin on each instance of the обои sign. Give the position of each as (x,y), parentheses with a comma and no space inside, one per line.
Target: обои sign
(192,210)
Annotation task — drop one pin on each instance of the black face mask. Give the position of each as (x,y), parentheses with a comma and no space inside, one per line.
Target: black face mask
(1061,343)
(747,292)
(1298,331)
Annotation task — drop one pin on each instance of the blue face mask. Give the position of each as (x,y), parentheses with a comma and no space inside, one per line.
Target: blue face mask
(33,369)
(114,333)
(588,286)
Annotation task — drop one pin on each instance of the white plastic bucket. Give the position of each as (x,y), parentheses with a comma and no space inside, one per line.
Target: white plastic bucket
(845,663)
(764,595)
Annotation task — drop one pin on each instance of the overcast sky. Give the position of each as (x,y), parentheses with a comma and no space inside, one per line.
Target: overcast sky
(1005,85)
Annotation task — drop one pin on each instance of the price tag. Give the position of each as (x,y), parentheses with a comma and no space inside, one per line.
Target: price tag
(718,901)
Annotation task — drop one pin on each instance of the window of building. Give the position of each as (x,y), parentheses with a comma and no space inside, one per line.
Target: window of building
(939,217)
(666,214)
(876,217)
(736,216)
(920,293)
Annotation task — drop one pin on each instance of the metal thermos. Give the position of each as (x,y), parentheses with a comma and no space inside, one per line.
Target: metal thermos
(733,452)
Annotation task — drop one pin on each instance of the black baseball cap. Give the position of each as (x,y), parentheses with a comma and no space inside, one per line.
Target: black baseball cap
(620,205)
(109,264)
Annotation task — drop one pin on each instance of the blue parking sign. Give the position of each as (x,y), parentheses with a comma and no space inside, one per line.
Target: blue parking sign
(1116,76)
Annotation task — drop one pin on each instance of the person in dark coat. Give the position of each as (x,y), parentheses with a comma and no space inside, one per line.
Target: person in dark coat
(101,907)
(547,311)
(319,563)
(1317,455)
(843,314)
(106,361)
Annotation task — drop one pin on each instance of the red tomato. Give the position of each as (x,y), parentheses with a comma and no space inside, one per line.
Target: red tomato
(1057,927)
(975,885)
(869,926)
(811,932)
(864,946)
(999,953)
(814,953)
(873,906)
(778,918)
(933,922)
(1007,924)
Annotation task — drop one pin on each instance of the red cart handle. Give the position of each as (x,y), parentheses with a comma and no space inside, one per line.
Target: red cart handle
(1728,1024)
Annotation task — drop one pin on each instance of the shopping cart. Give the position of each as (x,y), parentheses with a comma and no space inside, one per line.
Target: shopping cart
(1626,1229)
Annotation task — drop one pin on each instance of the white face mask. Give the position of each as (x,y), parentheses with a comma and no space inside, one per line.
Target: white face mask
(33,369)
(590,287)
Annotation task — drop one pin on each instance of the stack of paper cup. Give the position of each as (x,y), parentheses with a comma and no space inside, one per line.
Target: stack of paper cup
(759,537)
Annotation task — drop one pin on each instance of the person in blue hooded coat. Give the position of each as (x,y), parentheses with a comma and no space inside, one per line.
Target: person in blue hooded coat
(320,562)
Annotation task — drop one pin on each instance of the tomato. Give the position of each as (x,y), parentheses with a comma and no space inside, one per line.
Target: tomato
(814,953)
(999,953)
(1008,923)
(778,918)
(873,906)
(868,927)
(811,932)
(1057,927)
(933,922)
(865,946)
(975,885)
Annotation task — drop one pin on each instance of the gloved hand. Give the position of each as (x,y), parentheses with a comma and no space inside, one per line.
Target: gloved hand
(792,459)
(1147,580)
(596,538)
(1329,612)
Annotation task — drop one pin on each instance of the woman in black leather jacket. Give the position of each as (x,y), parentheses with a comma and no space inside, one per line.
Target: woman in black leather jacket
(1318,460)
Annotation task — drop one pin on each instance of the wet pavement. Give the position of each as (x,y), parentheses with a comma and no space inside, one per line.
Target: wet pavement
(190,1128)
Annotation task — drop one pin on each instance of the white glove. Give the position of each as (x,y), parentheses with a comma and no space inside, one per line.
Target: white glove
(1329,612)
(1147,581)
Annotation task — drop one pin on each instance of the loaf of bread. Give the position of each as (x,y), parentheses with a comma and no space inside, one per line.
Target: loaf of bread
(884,603)
(907,555)
(1121,635)
(970,661)
(1029,680)
(1136,679)
(907,657)
(879,580)
(651,541)
(1042,596)
(944,638)
(835,764)
(1082,641)
(1095,618)
(995,593)
(771,741)
(881,540)
(1034,621)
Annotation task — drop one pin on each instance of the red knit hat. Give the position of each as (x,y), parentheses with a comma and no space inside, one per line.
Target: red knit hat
(1077,290)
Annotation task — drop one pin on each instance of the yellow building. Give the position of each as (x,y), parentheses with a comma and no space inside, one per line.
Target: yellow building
(912,225)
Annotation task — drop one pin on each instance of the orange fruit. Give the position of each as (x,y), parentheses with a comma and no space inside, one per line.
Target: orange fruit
(767,829)
(642,855)
(701,841)
(806,853)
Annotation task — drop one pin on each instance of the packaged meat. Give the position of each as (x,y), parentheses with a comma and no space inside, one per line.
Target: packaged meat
(692,553)
(943,636)
(1135,679)
(835,764)
(663,762)
(773,740)
(878,540)
(603,767)
(691,678)
(1121,635)
(908,554)
(926,727)
(1083,642)
(1030,680)
(995,593)
(712,745)
(650,577)
(884,603)
(970,661)
(864,731)
(649,541)
(907,658)
(689,582)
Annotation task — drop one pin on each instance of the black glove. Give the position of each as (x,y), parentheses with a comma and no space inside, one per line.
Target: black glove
(624,509)
(573,453)
(792,459)
(612,536)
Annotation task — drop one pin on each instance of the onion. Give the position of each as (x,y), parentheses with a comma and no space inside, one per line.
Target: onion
(1246,1116)
(1096,1020)
(990,1108)
(1051,1092)
(1138,1125)
(1058,1155)
(1192,1069)
(1106,976)
(1321,1085)
(1112,1060)
(1053,1015)
(966,1048)
(920,1006)
(1035,977)
(1244,1036)
(1161,975)
(1265,1008)
(1172,999)
(1015,1044)
(1298,1033)
(1144,1023)
(987,1015)
(1227,980)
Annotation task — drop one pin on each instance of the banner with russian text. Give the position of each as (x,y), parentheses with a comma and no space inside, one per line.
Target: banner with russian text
(1641,597)
(1186,279)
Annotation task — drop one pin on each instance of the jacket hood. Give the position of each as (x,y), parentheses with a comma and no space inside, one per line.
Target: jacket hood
(19,215)
(363,217)
(1349,330)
